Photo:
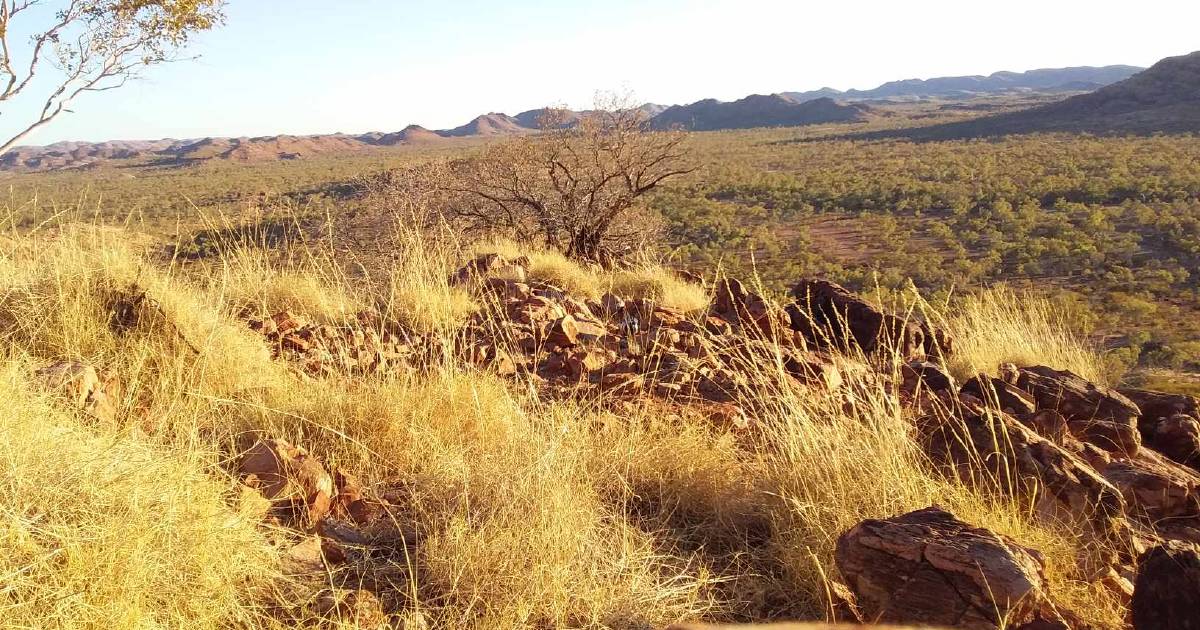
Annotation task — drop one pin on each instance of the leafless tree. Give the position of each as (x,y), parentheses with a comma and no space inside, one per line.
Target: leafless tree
(88,46)
(574,187)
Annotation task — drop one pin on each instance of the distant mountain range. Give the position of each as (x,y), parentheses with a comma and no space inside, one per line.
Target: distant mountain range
(1164,98)
(74,155)
(1081,79)
(775,110)
(823,106)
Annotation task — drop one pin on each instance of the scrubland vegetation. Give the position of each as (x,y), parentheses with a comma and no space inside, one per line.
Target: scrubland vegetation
(584,511)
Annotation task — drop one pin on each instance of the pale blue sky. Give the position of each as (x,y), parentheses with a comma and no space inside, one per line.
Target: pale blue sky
(316,66)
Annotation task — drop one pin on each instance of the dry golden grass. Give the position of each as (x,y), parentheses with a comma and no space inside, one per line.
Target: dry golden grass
(661,285)
(248,280)
(419,293)
(532,513)
(1000,325)
(100,529)
(647,280)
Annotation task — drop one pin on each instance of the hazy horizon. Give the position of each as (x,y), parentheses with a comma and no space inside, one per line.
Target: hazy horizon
(380,66)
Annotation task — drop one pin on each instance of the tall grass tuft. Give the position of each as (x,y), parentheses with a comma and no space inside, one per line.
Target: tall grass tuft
(1000,325)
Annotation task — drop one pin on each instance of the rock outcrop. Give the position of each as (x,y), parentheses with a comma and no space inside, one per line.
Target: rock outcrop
(928,567)
(1117,467)
(994,451)
(827,314)
(1166,595)
(1169,423)
(1095,414)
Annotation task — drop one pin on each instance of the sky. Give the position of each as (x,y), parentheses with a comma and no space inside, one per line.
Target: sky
(315,66)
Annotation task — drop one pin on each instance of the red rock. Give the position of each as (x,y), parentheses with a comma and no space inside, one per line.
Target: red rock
(728,415)
(717,325)
(286,322)
(996,451)
(1094,413)
(812,368)
(1166,595)
(1158,405)
(1000,394)
(923,375)
(828,314)
(929,567)
(1049,424)
(506,289)
(1177,437)
(297,343)
(287,474)
(536,310)
(1155,488)
(583,363)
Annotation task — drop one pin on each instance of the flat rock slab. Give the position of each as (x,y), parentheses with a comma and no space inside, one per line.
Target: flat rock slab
(928,567)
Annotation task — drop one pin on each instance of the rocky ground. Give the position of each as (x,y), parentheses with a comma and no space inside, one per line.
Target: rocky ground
(1119,468)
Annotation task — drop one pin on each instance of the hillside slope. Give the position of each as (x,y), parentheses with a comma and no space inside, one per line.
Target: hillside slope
(1043,80)
(758,110)
(1164,98)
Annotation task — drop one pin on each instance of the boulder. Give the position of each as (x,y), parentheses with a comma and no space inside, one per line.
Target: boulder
(1094,413)
(1155,488)
(1049,424)
(1177,437)
(1166,595)
(828,314)
(929,567)
(916,376)
(564,332)
(1157,405)
(995,450)
(995,392)
(289,477)
(1170,424)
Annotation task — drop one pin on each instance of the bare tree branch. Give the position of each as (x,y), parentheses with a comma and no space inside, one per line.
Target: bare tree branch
(97,46)
(567,186)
